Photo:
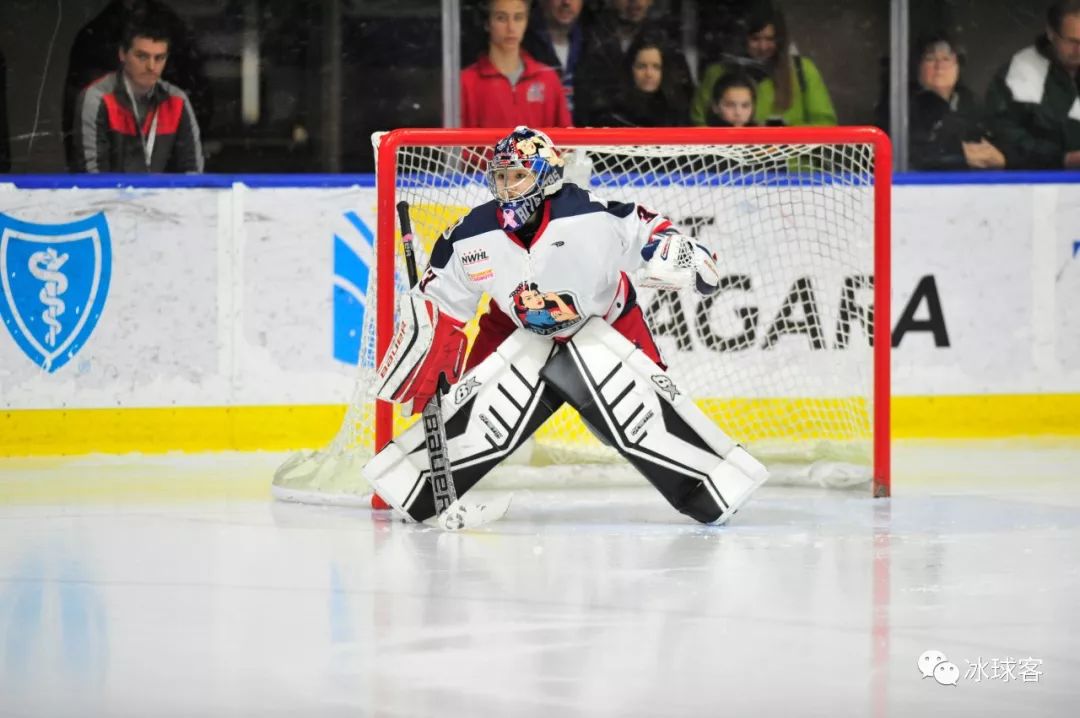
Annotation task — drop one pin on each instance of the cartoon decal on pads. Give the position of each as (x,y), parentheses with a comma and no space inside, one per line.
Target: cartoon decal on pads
(544,312)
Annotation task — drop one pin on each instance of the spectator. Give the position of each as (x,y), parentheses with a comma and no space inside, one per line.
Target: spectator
(648,97)
(1032,100)
(946,132)
(734,97)
(555,37)
(93,54)
(507,87)
(630,17)
(601,76)
(790,90)
(132,120)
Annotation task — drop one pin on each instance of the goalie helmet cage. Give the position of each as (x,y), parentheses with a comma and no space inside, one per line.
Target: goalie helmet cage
(786,357)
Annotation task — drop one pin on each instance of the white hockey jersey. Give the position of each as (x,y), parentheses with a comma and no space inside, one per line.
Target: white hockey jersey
(577,266)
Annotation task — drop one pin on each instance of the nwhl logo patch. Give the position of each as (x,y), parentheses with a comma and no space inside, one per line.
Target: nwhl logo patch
(476,264)
(473,256)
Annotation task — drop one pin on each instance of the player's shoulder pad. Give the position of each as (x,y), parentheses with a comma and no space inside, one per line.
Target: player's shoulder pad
(572,201)
(479,220)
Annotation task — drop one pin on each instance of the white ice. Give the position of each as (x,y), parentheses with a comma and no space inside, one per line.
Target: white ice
(173,586)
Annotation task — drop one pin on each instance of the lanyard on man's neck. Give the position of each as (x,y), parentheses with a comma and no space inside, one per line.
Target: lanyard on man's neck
(147,140)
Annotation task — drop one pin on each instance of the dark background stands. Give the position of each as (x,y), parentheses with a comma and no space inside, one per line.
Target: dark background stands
(391,65)
(5,144)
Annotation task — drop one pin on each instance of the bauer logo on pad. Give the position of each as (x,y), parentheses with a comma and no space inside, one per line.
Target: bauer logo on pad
(55,278)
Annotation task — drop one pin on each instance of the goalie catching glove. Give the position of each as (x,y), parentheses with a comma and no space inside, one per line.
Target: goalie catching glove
(427,344)
(673,261)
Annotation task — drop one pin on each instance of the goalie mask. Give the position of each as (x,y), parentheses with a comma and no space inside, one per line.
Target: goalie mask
(524,169)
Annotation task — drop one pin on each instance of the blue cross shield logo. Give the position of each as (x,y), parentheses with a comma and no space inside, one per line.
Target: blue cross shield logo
(55,278)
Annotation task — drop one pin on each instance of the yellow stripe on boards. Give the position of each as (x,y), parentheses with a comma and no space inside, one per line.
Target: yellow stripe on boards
(245,428)
(985,416)
(194,429)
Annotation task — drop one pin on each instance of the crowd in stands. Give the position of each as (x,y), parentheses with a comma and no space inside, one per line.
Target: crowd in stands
(618,68)
(135,96)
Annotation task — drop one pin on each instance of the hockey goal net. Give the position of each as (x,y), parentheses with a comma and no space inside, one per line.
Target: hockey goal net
(786,357)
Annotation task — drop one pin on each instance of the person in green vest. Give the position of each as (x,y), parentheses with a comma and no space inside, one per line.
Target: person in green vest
(790,90)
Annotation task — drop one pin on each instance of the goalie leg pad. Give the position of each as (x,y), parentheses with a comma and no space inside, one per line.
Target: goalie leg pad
(491,411)
(642,412)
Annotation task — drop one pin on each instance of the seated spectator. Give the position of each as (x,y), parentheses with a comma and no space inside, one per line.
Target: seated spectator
(1032,100)
(93,54)
(555,37)
(507,87)
(601,75)
(790,90)
(132,120)
(734,96)
(648,97)
(946,132)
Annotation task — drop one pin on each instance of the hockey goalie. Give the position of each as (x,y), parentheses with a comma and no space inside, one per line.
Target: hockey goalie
(563,326)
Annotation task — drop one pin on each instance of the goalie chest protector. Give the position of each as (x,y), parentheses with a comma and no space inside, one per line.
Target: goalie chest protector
(576,267)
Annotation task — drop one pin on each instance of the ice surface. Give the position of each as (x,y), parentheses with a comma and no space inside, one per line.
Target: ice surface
(173,586)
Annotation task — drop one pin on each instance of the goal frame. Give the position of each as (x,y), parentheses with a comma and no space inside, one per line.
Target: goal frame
(385,239)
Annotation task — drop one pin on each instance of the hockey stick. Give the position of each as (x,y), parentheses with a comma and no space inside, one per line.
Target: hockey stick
(450,514)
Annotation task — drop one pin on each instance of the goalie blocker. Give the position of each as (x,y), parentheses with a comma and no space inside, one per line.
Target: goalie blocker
(622,395)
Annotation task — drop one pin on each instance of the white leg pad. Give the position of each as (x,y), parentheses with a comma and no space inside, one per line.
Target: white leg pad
(657,426)
(488,413)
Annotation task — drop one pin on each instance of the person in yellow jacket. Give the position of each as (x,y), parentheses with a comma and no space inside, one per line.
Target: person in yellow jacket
(790,90)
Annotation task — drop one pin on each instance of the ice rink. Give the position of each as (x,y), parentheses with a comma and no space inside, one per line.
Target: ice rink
(174,586)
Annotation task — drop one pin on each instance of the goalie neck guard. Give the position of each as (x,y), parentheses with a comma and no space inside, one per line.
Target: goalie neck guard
(523,149)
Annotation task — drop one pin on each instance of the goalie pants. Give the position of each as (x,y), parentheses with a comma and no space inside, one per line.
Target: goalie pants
(495,327)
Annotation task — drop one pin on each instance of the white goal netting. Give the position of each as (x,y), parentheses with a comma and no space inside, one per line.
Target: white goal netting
(781,358)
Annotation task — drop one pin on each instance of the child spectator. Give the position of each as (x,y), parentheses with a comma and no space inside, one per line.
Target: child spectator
(648,97)
(790,90)
(507,87)
(734,96)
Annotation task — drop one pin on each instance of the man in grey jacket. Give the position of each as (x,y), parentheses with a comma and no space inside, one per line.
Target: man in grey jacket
(131,120)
